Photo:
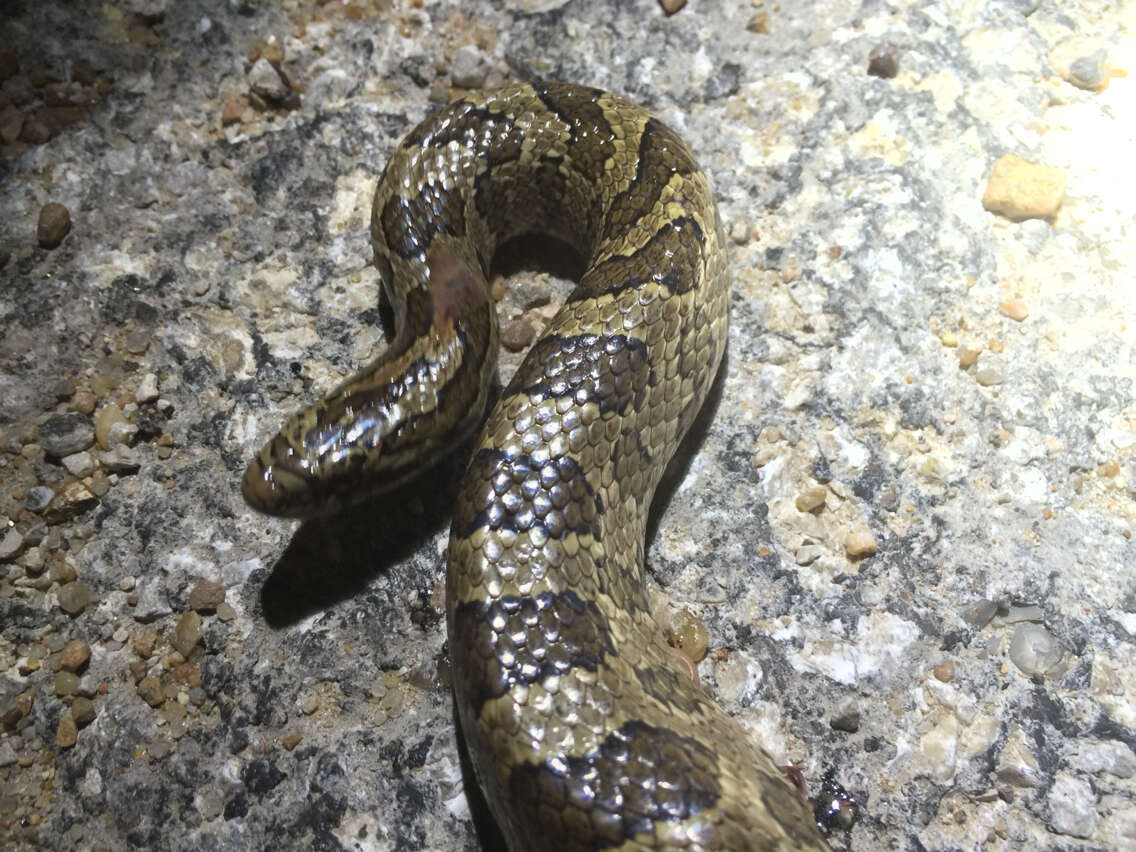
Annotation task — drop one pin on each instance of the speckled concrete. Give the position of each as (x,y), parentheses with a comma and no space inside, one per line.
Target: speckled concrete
(907,523)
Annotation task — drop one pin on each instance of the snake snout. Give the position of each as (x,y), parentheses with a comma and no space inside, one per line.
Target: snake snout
(279,486)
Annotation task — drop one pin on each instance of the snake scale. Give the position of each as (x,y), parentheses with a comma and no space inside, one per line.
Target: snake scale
(581,732)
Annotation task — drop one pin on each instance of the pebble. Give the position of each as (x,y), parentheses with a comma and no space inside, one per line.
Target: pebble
(147,390)
(150,690)
(53,225)
(669,7)
(309,704)
(1017,765)
(62,435)
(206,596)
(759,23)
(1017,614)
(1089,73)
(75,655)
(978,614)
(33,560)
(1019,190)
(72,499)
(968,356)
(83,710)
(517,335)
(811,499)
(1015,309)
(11,545)
(187,633)
(1036,651)
(37,498)
(84,401)
(269,81)
(67,733)
(62,572)
(1072,806)
(470,67)
(79,464)
(121,459)
(75,597)
(106,417)
(1113,757)
(7,754)
(99,484)
(859,543)
(883,60)
(66,683)
(989,376)
(944,672)
(225,612)
(121,433)
(290,741)
(231,114)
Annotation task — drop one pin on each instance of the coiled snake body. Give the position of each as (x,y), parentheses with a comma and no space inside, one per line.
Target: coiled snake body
(581,732)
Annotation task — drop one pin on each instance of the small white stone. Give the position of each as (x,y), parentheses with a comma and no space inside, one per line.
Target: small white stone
(469,68)
(147,390)
(79,464)
(1072,806)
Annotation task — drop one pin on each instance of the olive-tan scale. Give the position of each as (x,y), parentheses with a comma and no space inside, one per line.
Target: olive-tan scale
(582,732)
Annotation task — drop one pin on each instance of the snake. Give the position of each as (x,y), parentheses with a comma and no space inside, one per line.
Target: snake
(583,732)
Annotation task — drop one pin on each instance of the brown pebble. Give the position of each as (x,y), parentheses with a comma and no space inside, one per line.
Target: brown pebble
(232,111)
(848,721)
(671,6)
(35,130)
(75,655)
(138,670)
(290,741)
(759,23)
(968,356)
(67,732)
(54,223)
(83,401)
(83,710)
(75,597)
(517,335)
(206,596)
(66,683)
(188,674)
(860,543)
(1015,309)
(187,633)
(20,707)
(144,645)
(1019,190)
(811,499)
(944,672)
(150,688)
(72,499)
(883,60)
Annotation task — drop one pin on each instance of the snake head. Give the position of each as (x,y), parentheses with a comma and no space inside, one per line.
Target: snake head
(311,467)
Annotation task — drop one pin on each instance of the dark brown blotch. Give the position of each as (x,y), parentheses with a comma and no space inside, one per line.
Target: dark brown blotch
(640,775)
(523,641)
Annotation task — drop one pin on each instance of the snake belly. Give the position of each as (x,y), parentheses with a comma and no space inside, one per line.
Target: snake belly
(582,733)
